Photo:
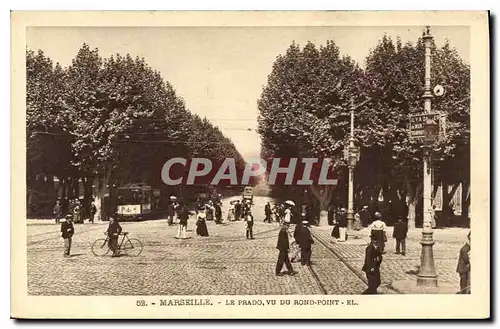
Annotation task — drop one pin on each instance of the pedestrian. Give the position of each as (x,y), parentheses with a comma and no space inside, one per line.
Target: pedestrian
(209,211)
(267,212)
(335,230)
(287,216)
(377,228)
(365,216)
(76,212)
(93,211)
(343,225)
(330,217)
(170,213)
(114,230)
(237,210)
(67,231)
(245,209)
(57,211)
(463,267)
(201,225)
(295,243)
(303,213)
(305,242)
(399,233)
(183,221)
(373,259)
(283,246)
(230,212)
(218,213)
(249,225)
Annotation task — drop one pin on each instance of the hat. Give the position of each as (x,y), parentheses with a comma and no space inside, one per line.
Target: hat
(365,207)
(378,215)
(69,216)
(289,202)
(305,222)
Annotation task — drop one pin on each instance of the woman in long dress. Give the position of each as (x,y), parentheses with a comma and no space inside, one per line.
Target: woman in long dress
(201,225)
(336,229)
(230,213)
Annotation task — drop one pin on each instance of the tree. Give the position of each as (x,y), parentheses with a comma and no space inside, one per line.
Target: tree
(304,108)
(48,152)
(394,79)
(114,121)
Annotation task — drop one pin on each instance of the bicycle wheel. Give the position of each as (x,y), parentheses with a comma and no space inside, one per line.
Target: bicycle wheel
(100,247)
(132,247)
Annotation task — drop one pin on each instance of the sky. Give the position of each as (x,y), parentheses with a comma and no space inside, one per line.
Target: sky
(220,71)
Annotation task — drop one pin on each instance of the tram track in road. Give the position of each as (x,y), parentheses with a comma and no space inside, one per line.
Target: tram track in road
(342,259)
(55,235)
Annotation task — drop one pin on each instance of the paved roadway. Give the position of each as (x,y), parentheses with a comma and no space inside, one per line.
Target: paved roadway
(223,264)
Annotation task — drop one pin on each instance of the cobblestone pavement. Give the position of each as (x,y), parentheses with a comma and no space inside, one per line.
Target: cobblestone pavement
(398,267)
(223,264)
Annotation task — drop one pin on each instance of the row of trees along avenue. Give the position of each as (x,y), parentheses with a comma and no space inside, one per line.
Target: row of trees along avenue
(305,108)
(107,122)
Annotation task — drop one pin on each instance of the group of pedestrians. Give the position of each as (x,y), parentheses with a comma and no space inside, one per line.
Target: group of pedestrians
(73,207)
(301,238)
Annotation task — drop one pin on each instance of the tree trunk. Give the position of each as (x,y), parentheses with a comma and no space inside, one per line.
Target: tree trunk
(324,196)
(411,200)
(100,191)
(411,214)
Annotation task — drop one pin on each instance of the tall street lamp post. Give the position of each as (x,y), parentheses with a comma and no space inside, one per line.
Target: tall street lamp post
(352,157)
(427,272)
(425,127)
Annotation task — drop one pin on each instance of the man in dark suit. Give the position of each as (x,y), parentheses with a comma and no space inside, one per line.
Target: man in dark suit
(305,241)
(114,230)
(267,212)
(365,216)
(463,267)
(67,231)
(283,246)
(373,259)
(399,233)
(237,210)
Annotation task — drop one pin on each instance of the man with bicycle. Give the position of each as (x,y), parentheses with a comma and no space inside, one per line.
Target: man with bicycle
(114,230)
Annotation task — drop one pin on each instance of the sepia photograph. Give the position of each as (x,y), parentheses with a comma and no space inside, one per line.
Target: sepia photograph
(246,163)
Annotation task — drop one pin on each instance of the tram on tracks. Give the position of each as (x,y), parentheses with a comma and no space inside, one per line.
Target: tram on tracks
(137,201)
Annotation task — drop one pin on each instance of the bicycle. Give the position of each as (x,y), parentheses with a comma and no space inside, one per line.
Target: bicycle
(130,247)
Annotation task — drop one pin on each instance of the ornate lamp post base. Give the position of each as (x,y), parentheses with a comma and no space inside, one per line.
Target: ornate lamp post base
(411,287)
(427,272)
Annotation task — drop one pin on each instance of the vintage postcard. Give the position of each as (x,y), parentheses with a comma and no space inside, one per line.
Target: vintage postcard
(286,165)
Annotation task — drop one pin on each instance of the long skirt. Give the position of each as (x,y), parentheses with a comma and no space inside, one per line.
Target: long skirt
(336,232)
(201,228)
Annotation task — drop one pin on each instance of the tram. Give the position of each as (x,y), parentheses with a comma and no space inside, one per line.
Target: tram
(137,201)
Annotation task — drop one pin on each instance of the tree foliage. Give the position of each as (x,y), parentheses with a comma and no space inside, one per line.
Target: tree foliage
(304,111)
(112,121)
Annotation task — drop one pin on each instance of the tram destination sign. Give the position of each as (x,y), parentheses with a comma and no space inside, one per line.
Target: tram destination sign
(417,123)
